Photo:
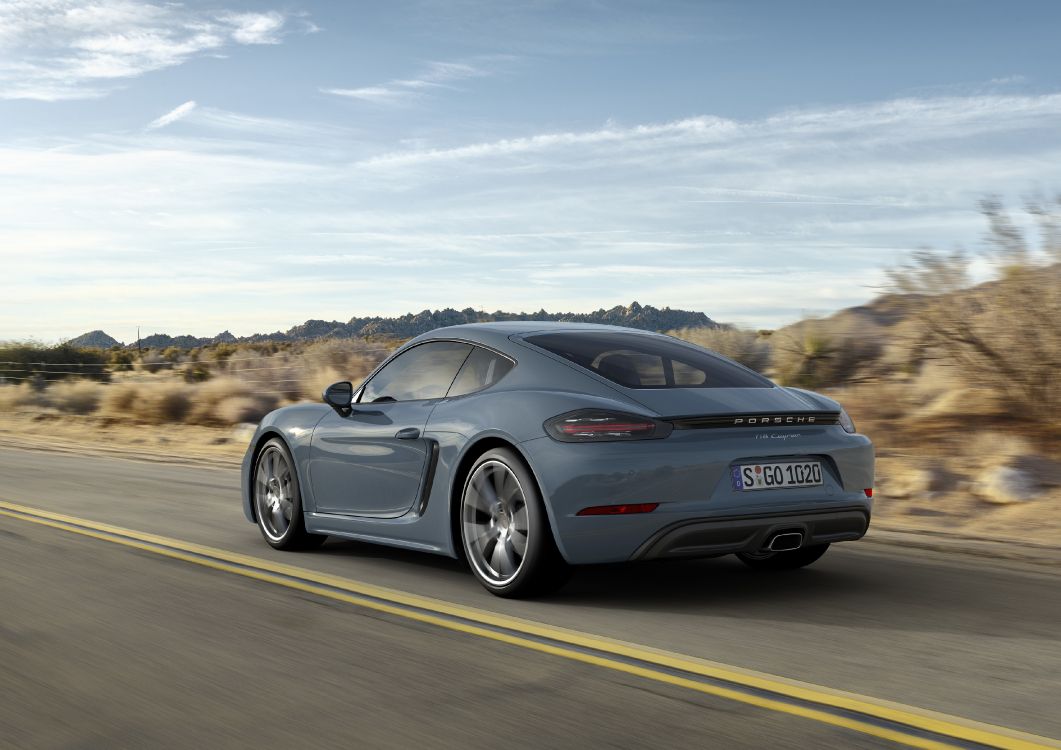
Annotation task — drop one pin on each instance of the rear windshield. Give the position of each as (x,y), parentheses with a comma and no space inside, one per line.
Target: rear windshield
(642,361)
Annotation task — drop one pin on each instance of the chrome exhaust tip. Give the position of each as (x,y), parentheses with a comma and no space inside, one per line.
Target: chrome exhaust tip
(789,540)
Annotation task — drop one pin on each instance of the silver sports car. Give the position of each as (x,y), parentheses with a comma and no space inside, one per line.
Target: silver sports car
(527,448)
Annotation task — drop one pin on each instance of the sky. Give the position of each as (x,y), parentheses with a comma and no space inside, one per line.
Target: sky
(191,168)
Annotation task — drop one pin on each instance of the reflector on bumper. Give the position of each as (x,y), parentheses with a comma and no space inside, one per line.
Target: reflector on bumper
(618,510)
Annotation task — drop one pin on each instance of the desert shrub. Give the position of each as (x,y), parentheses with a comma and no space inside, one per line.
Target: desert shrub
(962,403)
(316,380)
(874,402)
(325,362)
(1003,335)
(162,404)
(227,400)
(821,353)
(747,347)
(146,403)
(152,362)
(119,399)
(120,359)
(354,358)
(240,409)
(221,352)
(934,379)
(805,358)
(285,380)
(329,352)
(207,396)
(76,396)
(195,372)
(264,373)
(30,360)
(291,389)
(23,394)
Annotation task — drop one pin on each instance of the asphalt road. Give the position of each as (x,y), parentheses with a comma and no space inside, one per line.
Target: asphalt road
(106,646)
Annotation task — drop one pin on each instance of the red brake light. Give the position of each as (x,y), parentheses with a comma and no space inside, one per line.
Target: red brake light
(618,510)
(597,425)
(584,428)
(868,491)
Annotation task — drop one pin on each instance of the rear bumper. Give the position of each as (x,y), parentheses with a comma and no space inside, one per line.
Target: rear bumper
(721,536)
(689,475)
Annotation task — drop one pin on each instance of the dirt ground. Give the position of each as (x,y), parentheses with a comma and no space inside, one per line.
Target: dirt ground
(956,508)
(181,442)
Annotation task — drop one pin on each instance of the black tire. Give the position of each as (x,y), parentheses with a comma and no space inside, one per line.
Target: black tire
(277,499)
(540,569)
(789,560)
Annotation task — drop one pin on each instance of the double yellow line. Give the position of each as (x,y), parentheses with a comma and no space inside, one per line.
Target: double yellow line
(891,721)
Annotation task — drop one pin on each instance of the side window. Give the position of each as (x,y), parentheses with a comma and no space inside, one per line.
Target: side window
(631,368)
(643,360)
(481,370)
(687,376)
(425,371)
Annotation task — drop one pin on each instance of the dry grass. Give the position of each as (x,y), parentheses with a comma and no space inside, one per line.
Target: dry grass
(239,387)
(962,403)
(999,447)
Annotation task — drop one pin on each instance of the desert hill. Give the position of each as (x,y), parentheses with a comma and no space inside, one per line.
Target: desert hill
(406,326)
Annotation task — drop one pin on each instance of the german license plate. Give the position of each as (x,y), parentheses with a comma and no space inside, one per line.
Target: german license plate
(747,477)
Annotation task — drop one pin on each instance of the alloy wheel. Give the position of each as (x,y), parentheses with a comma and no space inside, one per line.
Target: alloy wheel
(494,522)
(274,493)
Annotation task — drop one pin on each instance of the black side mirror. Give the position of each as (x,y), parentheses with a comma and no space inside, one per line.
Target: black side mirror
(338,396)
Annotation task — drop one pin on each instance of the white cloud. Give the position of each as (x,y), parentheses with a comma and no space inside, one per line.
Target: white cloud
(698,128)
(860,127)
(237,124)
(255,28)
(374,94)
(1008,80)
(755,220)
(401,91)
(177,113)
(268,126)
(64,49)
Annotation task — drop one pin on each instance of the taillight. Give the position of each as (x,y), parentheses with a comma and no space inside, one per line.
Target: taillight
(868,491)
(598,426)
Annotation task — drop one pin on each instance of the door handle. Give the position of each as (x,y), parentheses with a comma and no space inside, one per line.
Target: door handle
(408,433)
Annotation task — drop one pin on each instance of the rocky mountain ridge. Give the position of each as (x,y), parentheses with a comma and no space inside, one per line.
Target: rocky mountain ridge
(406,326)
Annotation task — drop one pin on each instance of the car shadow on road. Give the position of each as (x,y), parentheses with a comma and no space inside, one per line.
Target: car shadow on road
(393,555)
(843,588)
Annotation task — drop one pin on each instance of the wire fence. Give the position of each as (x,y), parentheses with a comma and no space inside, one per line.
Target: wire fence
(214,361)
(256,371)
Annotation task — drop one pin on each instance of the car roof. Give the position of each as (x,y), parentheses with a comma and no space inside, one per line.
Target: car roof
(496,333)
